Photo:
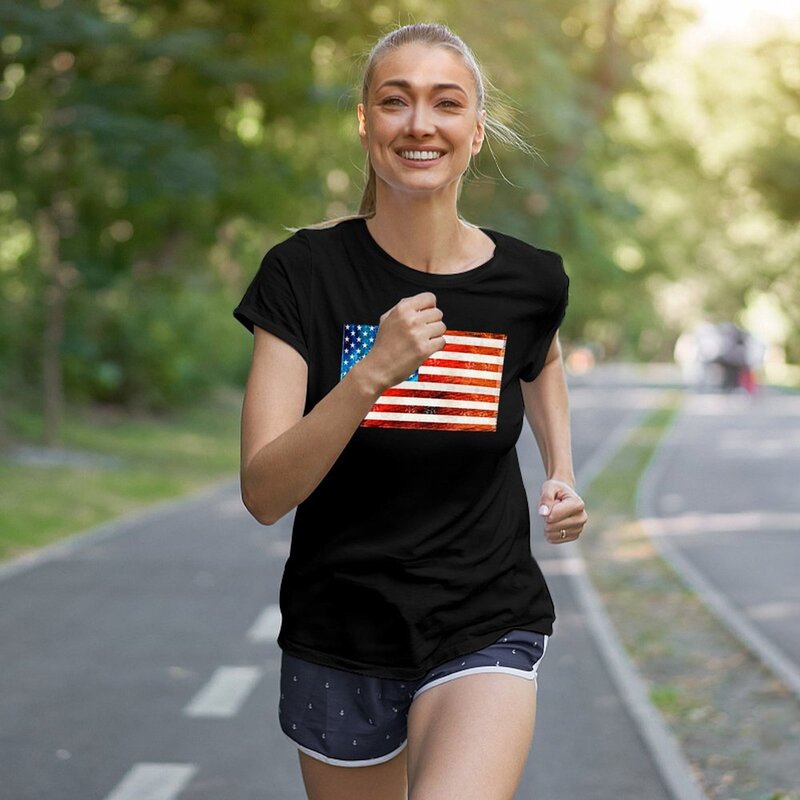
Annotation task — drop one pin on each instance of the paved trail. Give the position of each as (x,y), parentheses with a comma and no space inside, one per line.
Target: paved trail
(141,662)
(724,500)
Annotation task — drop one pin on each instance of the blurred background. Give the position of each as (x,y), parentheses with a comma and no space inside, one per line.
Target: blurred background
(150,154)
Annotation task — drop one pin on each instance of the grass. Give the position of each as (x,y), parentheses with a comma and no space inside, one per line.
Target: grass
(738,725)
(141,459)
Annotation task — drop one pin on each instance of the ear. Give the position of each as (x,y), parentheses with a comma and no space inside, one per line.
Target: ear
(480,132)
(362,125)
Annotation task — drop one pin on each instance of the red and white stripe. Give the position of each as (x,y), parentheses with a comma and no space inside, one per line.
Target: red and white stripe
(458,388)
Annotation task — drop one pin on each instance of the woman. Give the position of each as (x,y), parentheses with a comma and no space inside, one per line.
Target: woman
(396,352)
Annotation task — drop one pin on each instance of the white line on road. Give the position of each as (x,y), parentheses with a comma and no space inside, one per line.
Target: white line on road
(747,633)
(267,626)
(700,523)
(153,782)
(561,566)
(225,693)
(665,750)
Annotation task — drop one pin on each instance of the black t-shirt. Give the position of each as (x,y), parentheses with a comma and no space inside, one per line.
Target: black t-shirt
(415,546)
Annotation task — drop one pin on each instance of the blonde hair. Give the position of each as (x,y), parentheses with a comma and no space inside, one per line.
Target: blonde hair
(435,35)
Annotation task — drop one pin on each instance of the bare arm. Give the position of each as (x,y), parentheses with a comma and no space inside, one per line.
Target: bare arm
(547,411)
(285,455)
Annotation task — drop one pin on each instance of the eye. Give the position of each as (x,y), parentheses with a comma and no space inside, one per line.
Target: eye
(447,103)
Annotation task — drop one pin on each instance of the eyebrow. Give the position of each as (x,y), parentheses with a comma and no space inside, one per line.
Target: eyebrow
(406,85)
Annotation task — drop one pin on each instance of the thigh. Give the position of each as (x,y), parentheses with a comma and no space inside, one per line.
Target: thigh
(470,738)
(471,721)
(323,781)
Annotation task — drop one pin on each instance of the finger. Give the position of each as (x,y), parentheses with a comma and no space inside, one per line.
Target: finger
(565,511)
(562,535)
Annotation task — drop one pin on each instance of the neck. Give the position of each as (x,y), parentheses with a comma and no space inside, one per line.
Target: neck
(422,232)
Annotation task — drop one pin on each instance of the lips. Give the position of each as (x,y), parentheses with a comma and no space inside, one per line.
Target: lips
(419,150)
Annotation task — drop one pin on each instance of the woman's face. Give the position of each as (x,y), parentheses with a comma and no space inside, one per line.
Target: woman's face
(406,111)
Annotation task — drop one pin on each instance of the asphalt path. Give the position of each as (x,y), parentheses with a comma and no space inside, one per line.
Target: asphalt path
(724,495)
(139,660)
(586,746)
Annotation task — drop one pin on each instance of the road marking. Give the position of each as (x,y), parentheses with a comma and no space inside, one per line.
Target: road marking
(153,782)
(267,626)
(665,750)
(225,693)
(757,522)
(561,566)
(777,610)
(747,632)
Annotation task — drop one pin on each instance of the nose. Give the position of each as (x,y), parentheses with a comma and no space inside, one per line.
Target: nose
(420,120)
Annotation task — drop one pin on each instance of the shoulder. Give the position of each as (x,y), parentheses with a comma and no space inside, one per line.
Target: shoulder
(291,250)
(543,263)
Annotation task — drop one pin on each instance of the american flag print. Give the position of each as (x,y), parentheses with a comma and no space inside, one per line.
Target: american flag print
(454,389)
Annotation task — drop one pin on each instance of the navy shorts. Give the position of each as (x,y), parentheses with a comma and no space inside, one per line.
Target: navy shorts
(352,720)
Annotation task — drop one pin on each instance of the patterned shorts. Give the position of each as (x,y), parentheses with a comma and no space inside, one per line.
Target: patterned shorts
(353,720)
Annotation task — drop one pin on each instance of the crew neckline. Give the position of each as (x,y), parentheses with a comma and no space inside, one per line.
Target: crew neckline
(428,278)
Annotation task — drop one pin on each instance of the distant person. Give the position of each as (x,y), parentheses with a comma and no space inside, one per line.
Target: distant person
(733,354)
(397,352)
(754,360)
(740,354)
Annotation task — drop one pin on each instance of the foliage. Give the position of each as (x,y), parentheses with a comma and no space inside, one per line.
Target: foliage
(169,143)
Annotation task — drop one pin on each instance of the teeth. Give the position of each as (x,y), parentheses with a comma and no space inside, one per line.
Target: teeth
(420,155)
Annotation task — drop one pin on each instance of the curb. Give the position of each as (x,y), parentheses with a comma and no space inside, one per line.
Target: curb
(745,632)
(676,771)
(114,527)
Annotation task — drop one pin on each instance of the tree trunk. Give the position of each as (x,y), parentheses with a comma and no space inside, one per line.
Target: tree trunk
(55,297)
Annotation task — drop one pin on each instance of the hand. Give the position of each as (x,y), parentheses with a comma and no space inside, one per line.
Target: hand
(563,510)
(408,334)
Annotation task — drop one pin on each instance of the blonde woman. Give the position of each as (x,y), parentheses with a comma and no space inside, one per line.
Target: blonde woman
(396,353)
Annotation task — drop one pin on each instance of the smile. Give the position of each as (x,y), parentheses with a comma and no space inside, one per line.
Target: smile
(420,155)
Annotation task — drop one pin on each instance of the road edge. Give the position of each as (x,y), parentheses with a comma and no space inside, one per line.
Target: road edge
(676,771)
(118,525)
(745,632)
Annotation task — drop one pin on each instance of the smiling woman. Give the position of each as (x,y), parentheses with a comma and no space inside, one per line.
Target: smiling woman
(406,117)
(397,354)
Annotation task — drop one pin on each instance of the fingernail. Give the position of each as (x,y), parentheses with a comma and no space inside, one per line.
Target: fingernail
(543,511)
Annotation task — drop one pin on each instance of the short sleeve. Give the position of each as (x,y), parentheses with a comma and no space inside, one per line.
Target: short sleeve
(278,298)
(559,281)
